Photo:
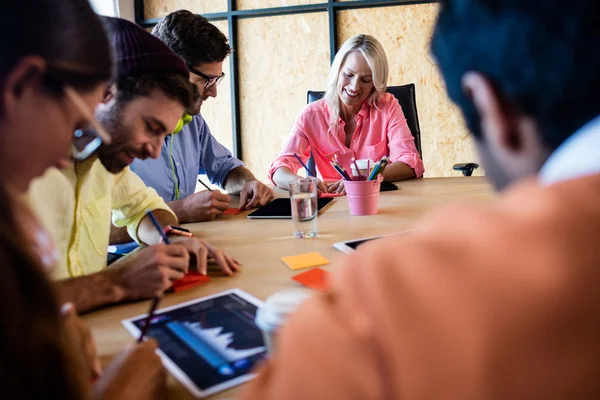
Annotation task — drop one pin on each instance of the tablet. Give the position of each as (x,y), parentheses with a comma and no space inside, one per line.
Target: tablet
(351,245)
(387,186)
(281,208)
(209,344)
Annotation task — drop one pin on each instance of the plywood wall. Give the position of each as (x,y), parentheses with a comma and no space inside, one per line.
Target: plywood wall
(254,4)
(405,32)
(160,8)
(280,59)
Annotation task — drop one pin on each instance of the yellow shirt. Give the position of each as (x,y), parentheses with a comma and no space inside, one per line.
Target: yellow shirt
(75,206)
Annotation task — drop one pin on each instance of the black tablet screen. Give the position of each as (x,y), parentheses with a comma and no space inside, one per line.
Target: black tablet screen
(282,208)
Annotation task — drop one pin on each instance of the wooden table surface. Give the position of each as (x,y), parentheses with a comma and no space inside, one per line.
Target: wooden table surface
(260,244)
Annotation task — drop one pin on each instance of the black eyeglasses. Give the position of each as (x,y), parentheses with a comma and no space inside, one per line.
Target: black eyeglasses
(210,80)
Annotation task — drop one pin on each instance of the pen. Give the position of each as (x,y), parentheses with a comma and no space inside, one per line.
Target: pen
(375,170)
(205,185)
(156,299)
(303,165)
(153,306)
(360,175)
(339,171)
(158,227)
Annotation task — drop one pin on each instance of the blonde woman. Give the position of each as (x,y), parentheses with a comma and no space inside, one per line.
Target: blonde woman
(355,119)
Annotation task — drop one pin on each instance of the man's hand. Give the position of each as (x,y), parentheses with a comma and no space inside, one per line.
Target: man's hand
(83,339)
(206,205)
(203,252)
(255,194)
(136,373)
(149,271)
(336,187)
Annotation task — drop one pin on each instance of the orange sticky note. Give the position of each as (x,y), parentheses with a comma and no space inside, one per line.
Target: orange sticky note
(232,211)
(316,279)
(305,261)
(190,280)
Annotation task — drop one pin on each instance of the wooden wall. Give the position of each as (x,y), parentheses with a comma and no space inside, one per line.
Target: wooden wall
(405,32)
(281,58)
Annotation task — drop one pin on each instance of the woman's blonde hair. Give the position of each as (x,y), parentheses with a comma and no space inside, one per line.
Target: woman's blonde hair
(373,52)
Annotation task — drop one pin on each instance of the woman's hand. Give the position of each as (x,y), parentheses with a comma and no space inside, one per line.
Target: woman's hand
(336,187)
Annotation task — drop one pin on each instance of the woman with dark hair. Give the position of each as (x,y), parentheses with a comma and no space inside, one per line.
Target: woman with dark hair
(55,63)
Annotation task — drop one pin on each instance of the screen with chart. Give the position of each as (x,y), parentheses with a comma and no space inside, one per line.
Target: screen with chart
(212,340)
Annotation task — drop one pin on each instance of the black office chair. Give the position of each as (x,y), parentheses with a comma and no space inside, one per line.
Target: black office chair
(406,96)
(467,168)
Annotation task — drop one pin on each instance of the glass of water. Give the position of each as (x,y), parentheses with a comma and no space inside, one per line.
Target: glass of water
(303,195)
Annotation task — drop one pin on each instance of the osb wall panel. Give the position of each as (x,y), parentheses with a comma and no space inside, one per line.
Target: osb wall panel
(280,59)
(160,8)
(254,4)
(405,32)
(217,111)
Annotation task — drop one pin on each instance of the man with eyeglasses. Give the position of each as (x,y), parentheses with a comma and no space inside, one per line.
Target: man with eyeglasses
(146,101)
(174,175)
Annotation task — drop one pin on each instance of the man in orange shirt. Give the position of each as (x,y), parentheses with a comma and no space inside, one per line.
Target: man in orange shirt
(501,301)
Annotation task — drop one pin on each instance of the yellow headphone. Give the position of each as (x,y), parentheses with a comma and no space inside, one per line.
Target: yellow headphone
(183,121)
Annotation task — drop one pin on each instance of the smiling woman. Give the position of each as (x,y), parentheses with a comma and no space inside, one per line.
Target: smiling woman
(355,120)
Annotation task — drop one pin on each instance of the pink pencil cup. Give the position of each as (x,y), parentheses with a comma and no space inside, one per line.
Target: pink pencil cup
(363,196)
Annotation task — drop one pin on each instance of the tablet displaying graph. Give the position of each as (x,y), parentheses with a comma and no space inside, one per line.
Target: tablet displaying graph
(209,344)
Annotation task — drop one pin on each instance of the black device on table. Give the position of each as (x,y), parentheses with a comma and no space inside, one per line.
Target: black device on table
(281,208)
(387,186)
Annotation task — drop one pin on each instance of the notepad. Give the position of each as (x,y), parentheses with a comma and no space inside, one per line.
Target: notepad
(315,278)
(307,260)
(232,211)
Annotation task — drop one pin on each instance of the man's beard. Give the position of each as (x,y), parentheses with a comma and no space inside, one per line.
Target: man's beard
(112,121)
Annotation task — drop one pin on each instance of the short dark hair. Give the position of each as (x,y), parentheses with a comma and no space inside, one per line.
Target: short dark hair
(174,86)
(541,55)
(192,38)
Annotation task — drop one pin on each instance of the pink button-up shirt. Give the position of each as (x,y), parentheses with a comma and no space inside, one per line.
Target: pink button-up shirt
(379,132)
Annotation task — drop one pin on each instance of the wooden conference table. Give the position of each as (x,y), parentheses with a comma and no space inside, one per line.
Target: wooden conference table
(260,244)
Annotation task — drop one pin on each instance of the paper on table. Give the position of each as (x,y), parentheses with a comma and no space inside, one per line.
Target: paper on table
(305,261)
(315,278)
(190,280)
(232,211)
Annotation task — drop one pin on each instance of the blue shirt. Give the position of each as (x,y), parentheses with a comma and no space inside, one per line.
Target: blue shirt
(194,148)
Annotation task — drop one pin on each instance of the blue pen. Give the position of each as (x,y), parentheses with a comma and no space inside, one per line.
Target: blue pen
(158,227)
(304,165)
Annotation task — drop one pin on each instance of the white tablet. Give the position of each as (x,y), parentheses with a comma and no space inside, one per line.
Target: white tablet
(210,344)
(350,246)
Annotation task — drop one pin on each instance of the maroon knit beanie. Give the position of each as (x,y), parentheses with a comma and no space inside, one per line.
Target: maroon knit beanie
(138,52)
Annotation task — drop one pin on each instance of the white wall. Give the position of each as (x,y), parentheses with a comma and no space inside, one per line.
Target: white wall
(114,8)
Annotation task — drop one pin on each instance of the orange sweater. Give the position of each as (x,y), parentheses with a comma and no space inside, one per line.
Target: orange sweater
(483,302)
